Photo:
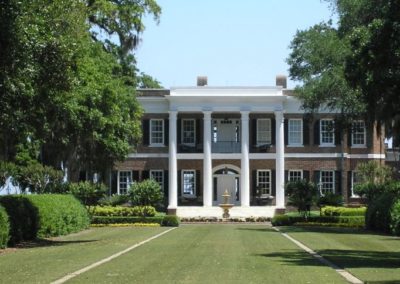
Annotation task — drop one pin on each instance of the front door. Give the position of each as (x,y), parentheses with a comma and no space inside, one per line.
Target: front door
(226,182)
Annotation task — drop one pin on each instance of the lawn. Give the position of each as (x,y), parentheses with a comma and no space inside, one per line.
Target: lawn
(371,257)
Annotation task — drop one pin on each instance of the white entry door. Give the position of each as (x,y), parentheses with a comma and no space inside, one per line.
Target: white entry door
(226,182)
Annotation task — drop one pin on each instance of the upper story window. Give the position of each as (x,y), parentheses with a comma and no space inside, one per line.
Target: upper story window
(358,134)
(157,132)
(125,181)
(327,181)
(188,131)
(264,181)
(327,130)
(263,131)
(189,182)
(158,176)
(295,132)
(295,175)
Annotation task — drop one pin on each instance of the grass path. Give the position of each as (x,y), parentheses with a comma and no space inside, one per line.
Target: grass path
(370,257)
(214,254)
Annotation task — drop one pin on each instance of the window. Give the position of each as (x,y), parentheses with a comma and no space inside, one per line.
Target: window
(156,132)
(189,182)
(358,133)
(263,131)
(295,175)
(295,131)
(355,179)
(327,182)
(158,176)
(264,182)
(327,131)
(125,181)
(188,131)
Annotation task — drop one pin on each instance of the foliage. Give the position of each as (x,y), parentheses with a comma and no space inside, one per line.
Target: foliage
(301,195)
(395,218)
(329,199)
(342,211)
(126,219)
(88,193)
(147,82)
(282,220)
(7,170)
(4,228)
(114,200)
(374,172)
(146,193)
(170,221)
(378,215)
(45,215)
(143,211)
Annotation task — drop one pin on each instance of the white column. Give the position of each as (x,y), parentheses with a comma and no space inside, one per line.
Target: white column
(244,163)
(207,163)
(173,168)
(280,161)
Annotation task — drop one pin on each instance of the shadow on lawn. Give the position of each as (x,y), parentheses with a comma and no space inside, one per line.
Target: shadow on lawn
(334,230)
(48,243)
(343,258)
(257,229)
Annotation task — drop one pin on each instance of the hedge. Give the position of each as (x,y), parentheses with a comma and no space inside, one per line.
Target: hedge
(45,215)
(124,211)
(350,221)
(168,220)
(343,211)
(4,228)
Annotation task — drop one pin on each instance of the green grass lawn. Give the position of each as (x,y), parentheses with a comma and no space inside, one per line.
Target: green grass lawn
(371,257)
(214,254)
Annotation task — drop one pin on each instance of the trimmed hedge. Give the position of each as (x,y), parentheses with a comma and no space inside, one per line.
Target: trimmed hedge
(170,221)
(45,215)
(343,211)
(167,220)
(4,228)
(144,211)
(350,221)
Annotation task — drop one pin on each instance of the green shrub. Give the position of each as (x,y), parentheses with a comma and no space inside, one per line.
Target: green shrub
(301,194)
(170,221)
(126,219)
(329,199)
(395,218)
(283,220)
(378,216)
(114,200)
(4,228)
(45,215)
(342,211)
(146,193)
(88,193)
(124,211)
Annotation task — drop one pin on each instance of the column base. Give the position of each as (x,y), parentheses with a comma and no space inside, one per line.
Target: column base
(280,211)
(171,211)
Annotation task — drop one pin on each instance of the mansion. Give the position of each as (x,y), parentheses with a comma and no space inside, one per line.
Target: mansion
(199,142)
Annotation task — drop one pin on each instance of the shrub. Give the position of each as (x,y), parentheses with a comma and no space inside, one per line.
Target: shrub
(88,193)
(282,220)
(170,221)
(378,216)
(4,228)
(342,211)
(45,215)
(126,220)
(124,211)
(147,192)
(114,200)
(329,199)
(395,218)
(301,195)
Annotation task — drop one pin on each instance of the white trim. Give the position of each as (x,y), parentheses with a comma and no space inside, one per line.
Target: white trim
(162,144)
(148,155)
(183,131)
(333,133)
(301,133)
(270,180)
(228,166)
(194,183)
(162,176)
(220,156)
(353,195)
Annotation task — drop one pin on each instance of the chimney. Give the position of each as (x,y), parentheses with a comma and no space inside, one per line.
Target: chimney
(281,80)
(201,81)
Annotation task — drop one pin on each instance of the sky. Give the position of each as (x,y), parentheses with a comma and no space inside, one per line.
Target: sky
(232,42)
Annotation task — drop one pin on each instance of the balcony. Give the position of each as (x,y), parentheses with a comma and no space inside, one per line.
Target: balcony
(226,147)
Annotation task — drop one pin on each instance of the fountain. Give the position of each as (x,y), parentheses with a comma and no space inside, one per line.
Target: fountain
(225,205)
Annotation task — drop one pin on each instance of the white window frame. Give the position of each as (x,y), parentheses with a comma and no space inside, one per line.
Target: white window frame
(268,191)
(293,171)
(353,195)
(183,132)
(128,182)
(268,132)
(290,135)
(158,144)
(161,183)
(321,184)
(353,132)
(183,183)
(322,132)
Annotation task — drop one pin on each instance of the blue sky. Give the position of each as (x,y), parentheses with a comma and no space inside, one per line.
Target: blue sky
(234,43)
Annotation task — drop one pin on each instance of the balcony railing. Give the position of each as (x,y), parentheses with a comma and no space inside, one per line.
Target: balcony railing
(226,147)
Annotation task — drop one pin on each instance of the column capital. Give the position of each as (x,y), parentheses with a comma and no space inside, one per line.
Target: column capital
(207,114)
(172,112)
(244,115)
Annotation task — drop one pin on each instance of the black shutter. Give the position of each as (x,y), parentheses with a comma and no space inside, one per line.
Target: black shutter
(135,176)
(338,182)
(179,183)
(370,135)
(166,132)
(306,175)
(286,129)
(306,132)
(286,176)
(349,131)
(198,193)
(178,131)
(114,182)
(145,175)
(316,132)
(198,131)
(349,183)
(146,132)
(253,129)
(273,183)
(166,184)
(337,131)
(254,183)
(273,131)
(215,181)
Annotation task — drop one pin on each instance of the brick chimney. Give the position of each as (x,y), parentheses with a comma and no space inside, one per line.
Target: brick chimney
(201,81)
(281,80)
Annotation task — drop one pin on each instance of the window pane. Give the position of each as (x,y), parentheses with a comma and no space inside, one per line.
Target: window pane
(295,131)
(188,181)
(327,132)
(157,131)
(263,131)
(264,182)
(188,131)
(295,175)
(358,133)
(158,176)
(327,181)
(125,181)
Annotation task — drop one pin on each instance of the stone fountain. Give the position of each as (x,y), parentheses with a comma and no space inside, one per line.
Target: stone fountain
(225,205)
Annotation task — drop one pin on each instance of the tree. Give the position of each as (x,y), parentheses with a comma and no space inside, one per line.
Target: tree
(301,195)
